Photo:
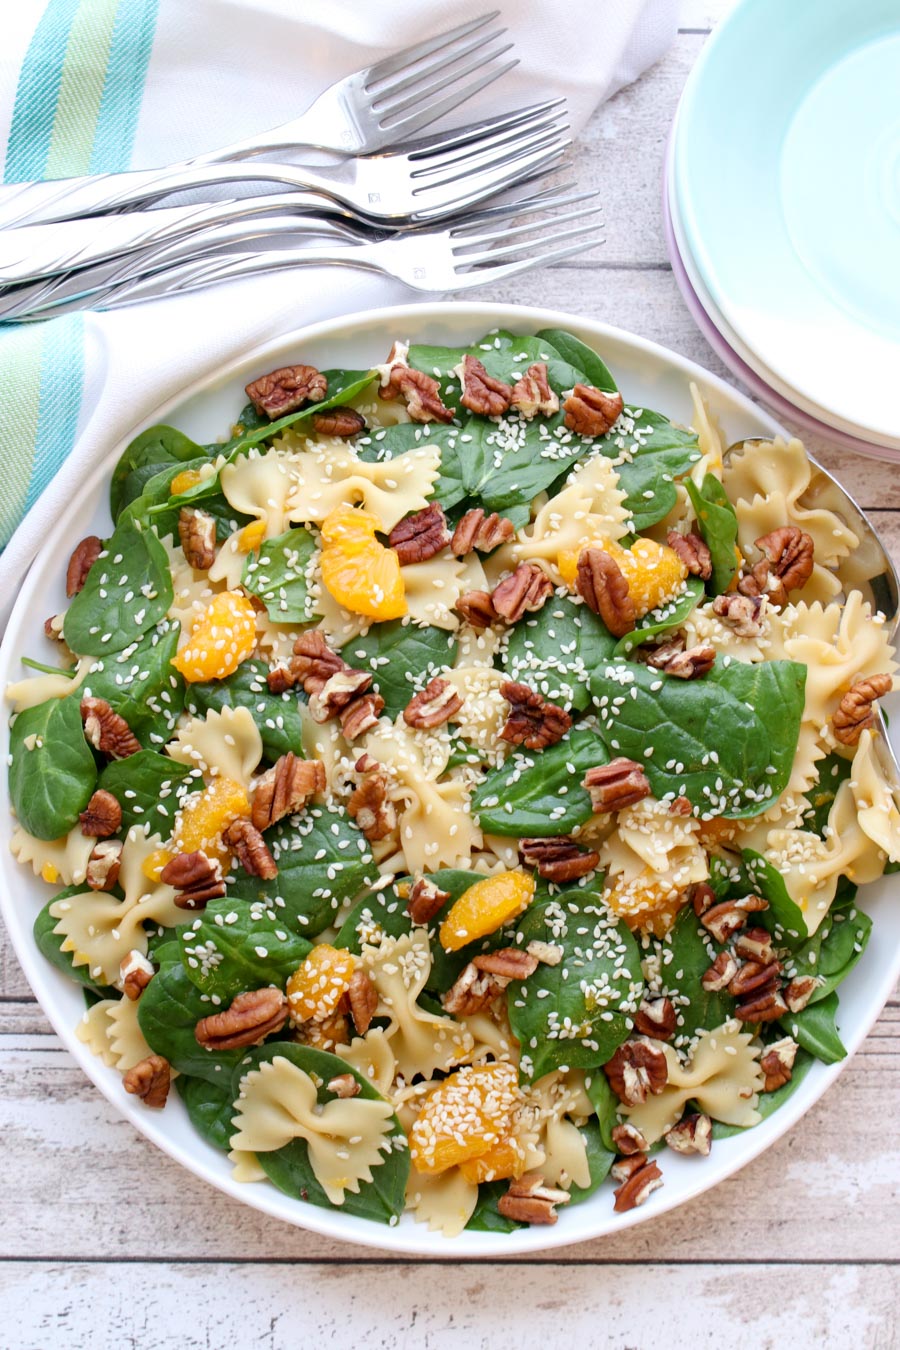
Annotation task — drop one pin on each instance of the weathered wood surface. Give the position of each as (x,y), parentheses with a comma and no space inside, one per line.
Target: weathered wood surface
(104,1238)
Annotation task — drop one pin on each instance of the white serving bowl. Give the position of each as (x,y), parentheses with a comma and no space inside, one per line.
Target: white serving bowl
(649,376)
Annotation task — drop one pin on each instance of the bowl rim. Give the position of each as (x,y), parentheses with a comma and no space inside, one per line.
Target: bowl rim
(408,1237)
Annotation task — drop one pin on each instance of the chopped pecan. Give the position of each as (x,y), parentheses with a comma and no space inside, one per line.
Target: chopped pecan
(481,393)
(102,816)
(150,1080)
(477,608)
(510,963)
(250,849)
(629,1140)
(626,1166)
(196,879)
(855,713)
(418,537)
(369,804)
(361,715)
(434,706)
(528,1200)
(786,565)
(106,730)
(363,999)
(753,977)
(339,421)
(285,788)
(477,531)
(637,1068)
(590,411)
(532,721)
(754,944)
(766,1005)
(337,692)
(135,973)
(693,552)
(103,865)
(690,664)
(602,586)
(728,917)
(532,394)
(526,590)
(659,655)
(283,390)
(558,859)
(798,991)
(420,392)
(344,1085)
(197,533)
(425,900)
(280,679)
(693,1134)
(613,786)
(547,953)
(743,613)
(702,897)
(473,990)
(638,1187)
(720,973)
(53,628)
(314,662)
(681,806)
(778,1063)
(82,560)
(250,1018)
(656,1017)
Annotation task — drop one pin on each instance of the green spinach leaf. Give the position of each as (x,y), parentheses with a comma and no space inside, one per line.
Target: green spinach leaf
(556,651)
(539,792)
(599,1159)
(52,772)
(276,715)
(717,522)
(148,454)
(402,658)
(127,592)
(277,574)
(833,951)
(784,915)
(149,787)
(663,619)
(236,945)
(486,1217)
(141,684)
(584,359)
(169,1010)
(649,453)
(833,770)
(686,954)
(815,1030)
(210,1109)
(606,1105)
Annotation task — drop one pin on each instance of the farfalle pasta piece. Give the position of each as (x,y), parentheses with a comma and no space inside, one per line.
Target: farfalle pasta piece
(224,744)
(372,1056)
(709,439)
(35,689)
(723,1077)
(346,1137)
(876,809)
(260,485)
(445,1203)
(484,711)
(62,860)
(111,1030)
(192,591)
(324,477)
(432,589)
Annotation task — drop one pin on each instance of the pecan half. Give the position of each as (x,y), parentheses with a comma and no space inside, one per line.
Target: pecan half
(656,1017)
(363,999)
(102,816)
(477,608)
(425,900)
(196,879)
(693,552)
(197,533)
(778,1063)
(765,1005)
(590,411)
(418,537)
(420,392)
(337,692)
(625,1167)
(602,586)
(629,1140)
(135,973)
(558,859)
(690,664)
(754,976)
(344,1085)
(754,944)
(434,706)
(510,963)
(472,991)
(728,917)
(532,394)
(743,613)
(720,973)
(285,788)
(283,390)
(613,786)
(525,591)
(855,712)
(481,393)
(532,721)
(528,1200)
(314,662)
(339,421)
(638,1187)
(361,715)
(369,804)
(82,560)
(250,849)
(693,1134)
(250,1018)
(103,865)
(150,1080)
(638,1068)
(799,991)
(106,730)
(786,565)
(280,679)
(477,531)
(661,654)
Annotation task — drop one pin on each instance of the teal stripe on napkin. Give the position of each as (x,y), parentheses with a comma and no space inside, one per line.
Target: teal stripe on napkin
(129,56)
(61,377)
(34,112)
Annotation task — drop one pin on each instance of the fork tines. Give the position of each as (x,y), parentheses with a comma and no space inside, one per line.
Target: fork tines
(485,245)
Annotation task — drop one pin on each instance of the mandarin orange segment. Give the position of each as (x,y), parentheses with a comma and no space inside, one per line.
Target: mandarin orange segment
(200,822)
(153,865)
(188,478)
(251,536)
(647,904)
(654,572)
(485,907)
(361,573)
(320,982)
(504,1160)
(222,637)
(468,1115)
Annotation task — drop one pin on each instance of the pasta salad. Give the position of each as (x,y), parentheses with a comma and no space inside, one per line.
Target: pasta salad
(455,784)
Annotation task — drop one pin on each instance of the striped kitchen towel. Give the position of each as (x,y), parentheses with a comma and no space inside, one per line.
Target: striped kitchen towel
(89,86)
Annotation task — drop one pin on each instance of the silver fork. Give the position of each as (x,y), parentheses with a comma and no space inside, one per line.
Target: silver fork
(481,250)
(381,105)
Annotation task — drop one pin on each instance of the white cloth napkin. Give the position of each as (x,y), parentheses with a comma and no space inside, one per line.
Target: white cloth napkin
(93,85)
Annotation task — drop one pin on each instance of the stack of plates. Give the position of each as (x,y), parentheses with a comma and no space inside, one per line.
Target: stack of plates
(782,204)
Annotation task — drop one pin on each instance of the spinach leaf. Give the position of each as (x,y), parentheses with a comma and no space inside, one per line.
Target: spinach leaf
(383,1198)
(685,957)
(52,772)
(539,792)
(775,691)
(210,1109)
(141,684)
(322,860)
(769,1102)
(578,1012)
(833,770)
(717,523)
(784,916)
(235,945)
(149,787)
(127,592)
(584,359)
(661,620)
(606,1105)
(815,1030)
(150,493)
(402,658)
(277,574)
(50,945)
(599,1159)
(148,454)
(648,453)
(506,463)
(169,1010)
(833,951)
(486,1217)
(276,715)
(556,650)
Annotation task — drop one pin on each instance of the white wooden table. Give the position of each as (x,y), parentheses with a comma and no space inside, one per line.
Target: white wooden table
(106,1241)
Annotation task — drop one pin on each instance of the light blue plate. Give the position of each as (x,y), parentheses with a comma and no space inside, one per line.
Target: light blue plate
(787,175)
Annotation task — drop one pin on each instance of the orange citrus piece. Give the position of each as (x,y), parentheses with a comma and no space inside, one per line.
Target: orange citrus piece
(251,536)
(506,1159)
(188,478)
(223,636)
(647,904)
(485,907)
(654,572)
(468,1115)
(361,573)
(203,817)
(320,982)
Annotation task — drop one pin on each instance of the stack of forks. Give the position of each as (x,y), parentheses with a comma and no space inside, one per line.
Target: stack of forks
(420,210)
